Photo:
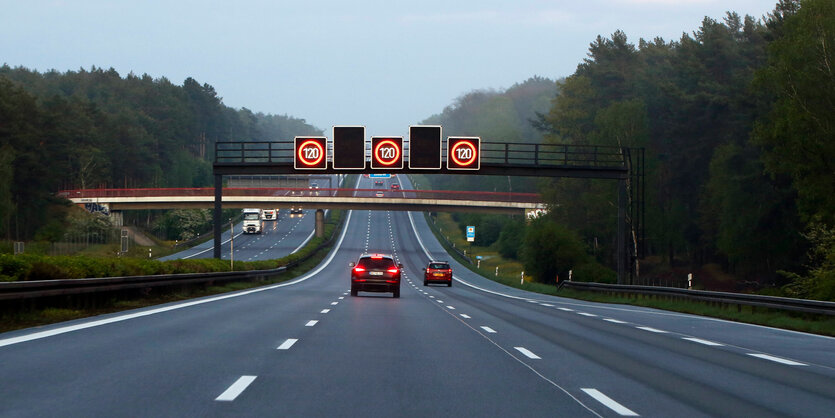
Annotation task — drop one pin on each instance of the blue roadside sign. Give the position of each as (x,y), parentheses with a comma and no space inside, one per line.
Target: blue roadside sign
(470,233)
(381,176)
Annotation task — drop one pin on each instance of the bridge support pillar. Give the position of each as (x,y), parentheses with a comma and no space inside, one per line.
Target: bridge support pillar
(218,230)
(320,223)
(117,218)
(621,245)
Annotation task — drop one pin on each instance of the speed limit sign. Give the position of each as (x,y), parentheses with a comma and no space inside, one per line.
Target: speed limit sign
(463,153)
(387,152)
(310,153)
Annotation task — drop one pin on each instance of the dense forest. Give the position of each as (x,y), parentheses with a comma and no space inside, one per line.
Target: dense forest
(737,122)
(496,116)
(94,128)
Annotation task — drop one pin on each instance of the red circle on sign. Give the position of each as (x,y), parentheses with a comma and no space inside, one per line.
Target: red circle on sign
(467,162)
(396,152)
(318,146)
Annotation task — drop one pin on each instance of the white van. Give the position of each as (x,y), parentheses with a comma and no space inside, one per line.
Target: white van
(270,214)
(252,221)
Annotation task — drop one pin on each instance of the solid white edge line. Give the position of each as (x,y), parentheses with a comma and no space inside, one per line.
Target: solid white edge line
(609,402)
(643,311)
(777,359)
(212,247)
(287,344)
(528,353)
(701,341)
(236,389)
(306,240)
(71,328)
(488,329)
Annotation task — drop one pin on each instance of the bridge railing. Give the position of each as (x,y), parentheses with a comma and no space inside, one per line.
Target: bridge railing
(552,154)
(304,192)
(509,153)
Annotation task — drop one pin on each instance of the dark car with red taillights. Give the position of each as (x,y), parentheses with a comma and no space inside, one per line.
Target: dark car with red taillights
(375,273)
(438,272)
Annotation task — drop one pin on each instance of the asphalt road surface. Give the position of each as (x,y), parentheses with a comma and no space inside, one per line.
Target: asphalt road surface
(307,348)
(279,238)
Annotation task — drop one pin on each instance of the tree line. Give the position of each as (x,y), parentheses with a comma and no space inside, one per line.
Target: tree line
(737,122)
(95,128)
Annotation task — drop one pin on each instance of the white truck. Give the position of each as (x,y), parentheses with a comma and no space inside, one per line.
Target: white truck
(252,223)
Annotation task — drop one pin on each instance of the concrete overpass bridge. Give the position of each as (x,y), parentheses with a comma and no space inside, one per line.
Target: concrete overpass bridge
(113,201)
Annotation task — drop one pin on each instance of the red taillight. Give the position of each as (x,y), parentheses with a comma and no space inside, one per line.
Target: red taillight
(393,270)
(449,271)
(428,270)
(359,269)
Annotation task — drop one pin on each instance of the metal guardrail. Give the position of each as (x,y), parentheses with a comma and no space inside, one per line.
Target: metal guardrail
(10,291)
(739,299)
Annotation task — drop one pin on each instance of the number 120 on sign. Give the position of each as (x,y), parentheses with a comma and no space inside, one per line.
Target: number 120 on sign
(463,153)
(310,153)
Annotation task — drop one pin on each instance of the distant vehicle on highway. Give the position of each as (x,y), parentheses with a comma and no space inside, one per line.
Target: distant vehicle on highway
(395,186)
(270,214)
(378,183)
(438,272)
(296,211)
(252,223)
(379,194)
(375,273)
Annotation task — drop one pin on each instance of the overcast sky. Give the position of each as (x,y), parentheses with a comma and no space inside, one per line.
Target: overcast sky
(384,64)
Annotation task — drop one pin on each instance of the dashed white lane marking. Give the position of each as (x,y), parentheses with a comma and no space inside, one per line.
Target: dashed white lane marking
(236,389)
(311,323)
(528,353)
(585,314)
(705,342)
(566,309)
(334,303)
(287,344)
(616,321)
(77,327)
(450,307)
(650,329)
(609,402)
(465,316)
(325,310)
(777,359)
(433,297)
(546,304)
(439,301)
(490,330)
(341,297)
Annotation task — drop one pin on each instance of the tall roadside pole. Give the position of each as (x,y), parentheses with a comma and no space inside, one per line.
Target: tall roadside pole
(621,247)
(218,209)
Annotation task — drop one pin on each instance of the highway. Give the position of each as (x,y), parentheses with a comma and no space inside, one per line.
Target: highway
(307,348)
(280,238)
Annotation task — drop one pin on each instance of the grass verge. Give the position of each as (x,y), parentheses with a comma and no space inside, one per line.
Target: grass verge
(36,317)
(816,324)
